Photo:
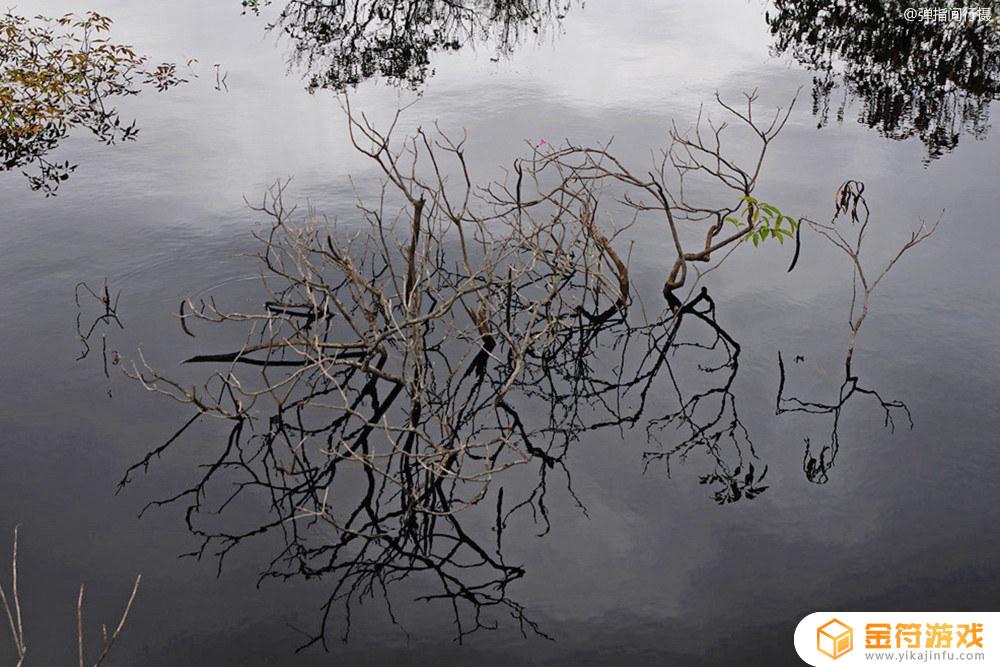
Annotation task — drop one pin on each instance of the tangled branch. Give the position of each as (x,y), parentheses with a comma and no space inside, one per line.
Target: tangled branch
(405,362)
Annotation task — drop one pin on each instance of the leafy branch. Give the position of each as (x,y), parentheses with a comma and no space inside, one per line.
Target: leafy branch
(765,221)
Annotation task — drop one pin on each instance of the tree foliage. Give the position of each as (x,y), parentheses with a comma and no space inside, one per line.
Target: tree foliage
(931,79)
(341,43)
(57,74)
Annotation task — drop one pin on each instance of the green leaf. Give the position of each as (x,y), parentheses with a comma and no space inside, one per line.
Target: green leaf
(765,221)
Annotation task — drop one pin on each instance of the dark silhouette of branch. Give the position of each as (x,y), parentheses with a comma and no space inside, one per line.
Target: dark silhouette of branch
(341,43)
(403,368)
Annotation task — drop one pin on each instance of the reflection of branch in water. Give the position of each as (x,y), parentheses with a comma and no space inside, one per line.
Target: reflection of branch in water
(390,395)
(708,418)
(849,202)
(107,317)
(344,42)
(931,79)
(403,370)
(62,73)
(220,81)
(817,467)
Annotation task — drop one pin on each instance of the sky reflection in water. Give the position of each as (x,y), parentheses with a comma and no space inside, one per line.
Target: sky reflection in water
(655,562)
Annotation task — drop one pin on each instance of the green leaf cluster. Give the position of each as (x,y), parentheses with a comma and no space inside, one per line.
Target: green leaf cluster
(764,220)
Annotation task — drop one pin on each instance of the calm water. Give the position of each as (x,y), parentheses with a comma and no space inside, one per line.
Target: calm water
(655,572)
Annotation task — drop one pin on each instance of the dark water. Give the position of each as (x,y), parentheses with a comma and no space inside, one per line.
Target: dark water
(655,572)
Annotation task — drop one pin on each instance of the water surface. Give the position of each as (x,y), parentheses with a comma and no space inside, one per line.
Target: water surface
(655,572)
